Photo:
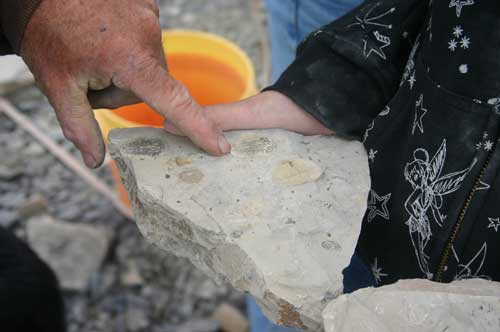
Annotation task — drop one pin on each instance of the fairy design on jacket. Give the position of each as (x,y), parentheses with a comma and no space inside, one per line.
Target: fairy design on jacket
(425,202)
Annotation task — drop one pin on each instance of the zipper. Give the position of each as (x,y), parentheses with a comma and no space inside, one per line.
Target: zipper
(447,250)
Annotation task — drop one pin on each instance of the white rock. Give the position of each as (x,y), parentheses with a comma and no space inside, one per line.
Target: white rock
(418,306)
(279,217)
(73,251)
(13,73)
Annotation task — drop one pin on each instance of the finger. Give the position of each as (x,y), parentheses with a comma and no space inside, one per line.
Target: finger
(170,98)
(264,111)
(111,97)
(244,114)
(79,126)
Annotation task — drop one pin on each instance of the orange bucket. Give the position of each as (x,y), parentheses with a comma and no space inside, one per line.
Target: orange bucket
(214,70)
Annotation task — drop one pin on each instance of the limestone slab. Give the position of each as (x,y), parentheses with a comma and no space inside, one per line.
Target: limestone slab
(278,217)
(418,306)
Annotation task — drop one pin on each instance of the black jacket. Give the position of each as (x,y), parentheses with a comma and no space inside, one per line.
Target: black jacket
(419,84)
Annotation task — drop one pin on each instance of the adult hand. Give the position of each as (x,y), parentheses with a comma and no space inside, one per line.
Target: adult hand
(264,111)
(107,54)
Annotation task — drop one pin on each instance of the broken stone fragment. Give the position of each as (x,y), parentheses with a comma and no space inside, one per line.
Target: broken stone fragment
(418,306)
(73,251)
(278,217)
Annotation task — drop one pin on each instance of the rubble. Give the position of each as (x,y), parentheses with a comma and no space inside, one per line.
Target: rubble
(278,217)
(418,306)
(74,251)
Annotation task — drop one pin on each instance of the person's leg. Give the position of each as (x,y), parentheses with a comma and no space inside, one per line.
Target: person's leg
(259,322)
(30,299)
(313,14)
(283,34)
(290,21)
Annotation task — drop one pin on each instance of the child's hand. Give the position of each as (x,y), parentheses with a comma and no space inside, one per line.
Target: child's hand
(266,110)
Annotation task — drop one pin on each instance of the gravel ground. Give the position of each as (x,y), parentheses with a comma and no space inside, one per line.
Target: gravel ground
(167,291)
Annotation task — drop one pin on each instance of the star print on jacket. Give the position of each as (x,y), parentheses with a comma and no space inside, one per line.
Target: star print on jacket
(410,66)
(494,223)
(372,154)
(424,203)
(420,112)
(379,50)
(377,205)
(372,22)
(483,186)
(377,271)
(459,4)
(367,20)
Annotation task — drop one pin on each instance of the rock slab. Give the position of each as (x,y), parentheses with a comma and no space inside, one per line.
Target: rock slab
(418,306)
(73,251)
(278,217)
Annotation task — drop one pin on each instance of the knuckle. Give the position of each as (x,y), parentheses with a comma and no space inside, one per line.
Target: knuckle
(138,67)
(182,105)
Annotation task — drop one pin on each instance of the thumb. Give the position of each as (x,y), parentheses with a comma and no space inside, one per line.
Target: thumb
(172,99)
(77,121)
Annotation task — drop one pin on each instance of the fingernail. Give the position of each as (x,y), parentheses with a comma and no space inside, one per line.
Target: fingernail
(224,146)
(89,160)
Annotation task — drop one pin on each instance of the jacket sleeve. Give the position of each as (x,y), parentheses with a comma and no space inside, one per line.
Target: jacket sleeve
(14,17)
(348,70)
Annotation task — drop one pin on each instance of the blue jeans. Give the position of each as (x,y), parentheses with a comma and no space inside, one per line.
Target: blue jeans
(290,21)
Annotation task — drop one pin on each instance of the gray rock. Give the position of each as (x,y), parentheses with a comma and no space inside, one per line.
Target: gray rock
(33,150)
(10,169)
(418,306)
(258,218)
(136,319)
(206,290)
(74,251)
(34,206)
(12,200)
